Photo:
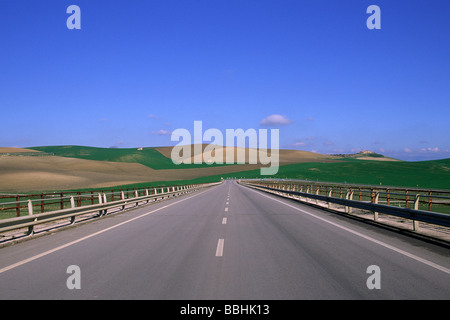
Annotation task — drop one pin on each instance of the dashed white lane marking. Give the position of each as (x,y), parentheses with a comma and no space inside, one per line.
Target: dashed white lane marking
(226,209)
(224,221)
(219,250)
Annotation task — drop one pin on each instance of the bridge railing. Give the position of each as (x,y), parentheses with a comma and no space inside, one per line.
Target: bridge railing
(104,202)
(16,205)
(392,201)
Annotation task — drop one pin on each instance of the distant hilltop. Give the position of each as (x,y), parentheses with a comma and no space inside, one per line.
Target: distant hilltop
(11,152)
(365,155)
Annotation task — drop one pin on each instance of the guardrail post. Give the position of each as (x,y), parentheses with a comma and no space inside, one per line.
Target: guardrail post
(100,202)
(42,203)
(375,213)
(329,196)
(30,213)
(72,205)
(416,207)
(307,191)
(122,196)
(62,200)
(17,206)
(136,195)
(430,202)
(349,196)
(104,201)
(407,199)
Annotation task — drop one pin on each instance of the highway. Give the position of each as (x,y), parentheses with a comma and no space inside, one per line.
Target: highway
(225,242)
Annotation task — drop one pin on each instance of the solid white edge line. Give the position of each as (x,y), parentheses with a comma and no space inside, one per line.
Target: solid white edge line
(381,243)
(22,262)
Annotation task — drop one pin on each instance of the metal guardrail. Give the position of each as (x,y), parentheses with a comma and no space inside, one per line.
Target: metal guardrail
(18,204)
(427,199)
(31,220)
(415,215)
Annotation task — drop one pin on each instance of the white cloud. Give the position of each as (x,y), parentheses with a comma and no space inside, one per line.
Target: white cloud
(299,144)
(275,120)
(163,132)
(429,149)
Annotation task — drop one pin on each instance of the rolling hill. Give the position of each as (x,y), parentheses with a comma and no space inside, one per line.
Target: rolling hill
(81,167)
(159,158)
(76,167)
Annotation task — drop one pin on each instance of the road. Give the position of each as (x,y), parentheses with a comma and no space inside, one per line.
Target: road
(225,242)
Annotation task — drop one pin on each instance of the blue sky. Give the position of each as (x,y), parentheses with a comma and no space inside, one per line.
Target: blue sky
(137,70)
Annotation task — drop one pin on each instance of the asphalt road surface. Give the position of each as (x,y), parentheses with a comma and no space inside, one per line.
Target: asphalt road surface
(225,242)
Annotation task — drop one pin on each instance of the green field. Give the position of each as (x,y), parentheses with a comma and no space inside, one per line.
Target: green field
(149,157)
(422,174)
